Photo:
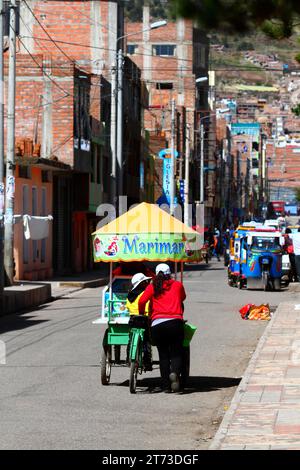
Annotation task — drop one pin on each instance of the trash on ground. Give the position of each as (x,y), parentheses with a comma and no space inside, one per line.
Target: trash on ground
(256,312)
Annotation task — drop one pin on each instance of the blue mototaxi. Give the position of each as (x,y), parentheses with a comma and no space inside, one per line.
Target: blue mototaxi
(235,276)
(261,260)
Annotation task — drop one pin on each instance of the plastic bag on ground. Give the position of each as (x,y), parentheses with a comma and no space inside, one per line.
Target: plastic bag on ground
(256,312)
(245,310)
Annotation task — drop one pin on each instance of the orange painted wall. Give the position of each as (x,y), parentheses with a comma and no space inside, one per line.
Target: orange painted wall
(33,269)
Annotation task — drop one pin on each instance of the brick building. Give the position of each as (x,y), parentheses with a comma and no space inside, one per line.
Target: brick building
(66,51)
(283,170)
(171,58)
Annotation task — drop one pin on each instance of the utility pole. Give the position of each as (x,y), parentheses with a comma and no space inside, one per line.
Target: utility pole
(10,153)
(187,175)
(201,164)
(172,182)
(1,163)
(120,123)
(113,135)
(263,172)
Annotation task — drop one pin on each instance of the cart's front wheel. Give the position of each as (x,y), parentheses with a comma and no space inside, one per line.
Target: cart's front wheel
(106,365)
(134,368)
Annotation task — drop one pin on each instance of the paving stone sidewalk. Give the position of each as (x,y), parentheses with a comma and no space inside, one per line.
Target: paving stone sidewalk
(265,411)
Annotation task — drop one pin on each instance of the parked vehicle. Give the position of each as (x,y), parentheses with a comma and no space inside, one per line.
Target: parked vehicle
(235,276)
(275,209)
(273,223)
(256,259)
(262,256)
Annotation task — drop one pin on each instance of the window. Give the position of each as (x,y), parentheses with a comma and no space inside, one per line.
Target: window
(132,49)
(45,176)
(164,50)
(260,243)
(24,172)
(200,55)
(164,86)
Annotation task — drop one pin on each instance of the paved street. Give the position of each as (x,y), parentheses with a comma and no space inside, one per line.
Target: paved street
(50,391)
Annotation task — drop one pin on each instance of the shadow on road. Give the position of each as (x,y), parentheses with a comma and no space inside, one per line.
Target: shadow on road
(18,322)
(196,267)
(194,385)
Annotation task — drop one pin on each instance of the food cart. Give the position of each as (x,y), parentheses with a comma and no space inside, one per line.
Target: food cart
(144,233)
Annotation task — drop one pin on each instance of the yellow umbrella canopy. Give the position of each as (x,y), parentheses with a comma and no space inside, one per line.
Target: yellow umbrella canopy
(145,218)
(145,232)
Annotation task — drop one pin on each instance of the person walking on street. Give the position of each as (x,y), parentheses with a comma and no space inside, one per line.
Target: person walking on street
(289,249)
(217,244)
(166,298)
(296,245)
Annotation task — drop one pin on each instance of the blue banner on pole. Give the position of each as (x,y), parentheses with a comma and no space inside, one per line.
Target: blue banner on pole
(165,154)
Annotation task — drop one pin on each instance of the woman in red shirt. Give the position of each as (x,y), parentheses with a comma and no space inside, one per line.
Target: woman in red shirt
(166,296)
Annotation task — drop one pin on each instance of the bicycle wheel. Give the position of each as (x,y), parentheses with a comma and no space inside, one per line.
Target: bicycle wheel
(106,365)
(134,368)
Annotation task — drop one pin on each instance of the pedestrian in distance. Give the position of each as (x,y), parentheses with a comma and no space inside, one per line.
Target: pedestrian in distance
(166,298)
(217,244)
(289,249)
(296,245)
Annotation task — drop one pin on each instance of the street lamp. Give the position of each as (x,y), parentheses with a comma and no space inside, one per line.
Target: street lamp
(117,112)
(201,79)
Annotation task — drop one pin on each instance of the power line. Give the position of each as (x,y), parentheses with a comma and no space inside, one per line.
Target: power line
(43,70)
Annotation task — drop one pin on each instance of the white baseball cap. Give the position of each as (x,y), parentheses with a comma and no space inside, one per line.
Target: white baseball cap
(137,279)
(162,268)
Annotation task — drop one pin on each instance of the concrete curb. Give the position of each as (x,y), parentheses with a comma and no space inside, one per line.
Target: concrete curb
(64,294)
(77,286)
(23,297)
(84,284)
(223,429)
(294,287)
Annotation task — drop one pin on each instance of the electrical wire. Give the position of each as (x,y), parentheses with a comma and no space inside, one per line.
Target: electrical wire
(43,70)
(46,32)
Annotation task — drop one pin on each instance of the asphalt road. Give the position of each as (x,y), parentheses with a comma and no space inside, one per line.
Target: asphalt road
(51,396)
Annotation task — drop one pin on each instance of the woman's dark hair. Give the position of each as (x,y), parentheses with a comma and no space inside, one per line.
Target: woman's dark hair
(288,230)
(134,293)
(158,283)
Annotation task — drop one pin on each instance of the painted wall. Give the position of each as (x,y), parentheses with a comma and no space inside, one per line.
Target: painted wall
(33,259)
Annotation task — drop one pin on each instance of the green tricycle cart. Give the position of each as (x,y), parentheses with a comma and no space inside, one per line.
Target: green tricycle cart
(144,233)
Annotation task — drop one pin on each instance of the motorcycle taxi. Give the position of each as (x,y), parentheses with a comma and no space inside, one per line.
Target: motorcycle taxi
(261,255)
(235,276)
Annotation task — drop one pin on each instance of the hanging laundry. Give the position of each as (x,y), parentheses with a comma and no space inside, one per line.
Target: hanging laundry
(36,228)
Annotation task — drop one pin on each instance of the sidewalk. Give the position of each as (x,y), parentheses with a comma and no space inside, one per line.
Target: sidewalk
(61,286)
(29,294)
(265,411)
